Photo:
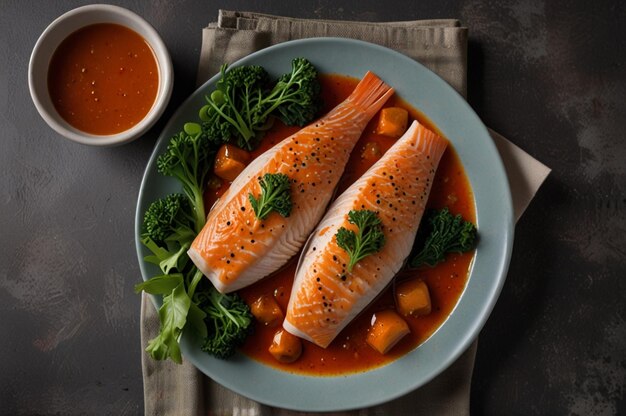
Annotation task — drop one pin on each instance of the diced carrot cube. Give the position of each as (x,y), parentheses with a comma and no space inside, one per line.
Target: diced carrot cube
(392,122)
(266,310)
(286,347)
(230,161)
(387,329)
(413,298)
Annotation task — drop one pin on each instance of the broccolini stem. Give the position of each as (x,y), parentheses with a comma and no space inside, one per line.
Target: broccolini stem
(200,219)
(276,101)
(245,133)
(225,311)
(197,276)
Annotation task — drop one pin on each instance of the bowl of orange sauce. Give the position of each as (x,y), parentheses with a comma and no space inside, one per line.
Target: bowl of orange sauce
(100,75)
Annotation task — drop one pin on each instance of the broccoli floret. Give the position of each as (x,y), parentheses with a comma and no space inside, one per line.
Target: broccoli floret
(233,109)
(168,226)
(228,321)
(248,78)
(167,218)
(444,233)
(217,132)
(188,159)
(243,107)
(298,94)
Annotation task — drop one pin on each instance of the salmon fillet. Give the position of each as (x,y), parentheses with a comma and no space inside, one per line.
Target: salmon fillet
(326,296)
(235,249)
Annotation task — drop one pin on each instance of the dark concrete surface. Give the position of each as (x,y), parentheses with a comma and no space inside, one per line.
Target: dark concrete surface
(549,75)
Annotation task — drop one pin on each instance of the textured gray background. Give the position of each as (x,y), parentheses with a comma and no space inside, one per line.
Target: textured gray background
(549,75)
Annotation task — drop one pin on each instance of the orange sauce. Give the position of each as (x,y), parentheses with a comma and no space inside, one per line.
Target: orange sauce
(349,353)
(103,79)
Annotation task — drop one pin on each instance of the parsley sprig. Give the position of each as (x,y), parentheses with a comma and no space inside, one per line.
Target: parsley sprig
(446,233)
(275,196)
(368,239)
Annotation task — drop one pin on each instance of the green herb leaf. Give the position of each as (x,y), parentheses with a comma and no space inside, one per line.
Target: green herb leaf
(160,285)
(173,316)
(166,259)
(275,196)
(368,239)
(445,233)
(195,320)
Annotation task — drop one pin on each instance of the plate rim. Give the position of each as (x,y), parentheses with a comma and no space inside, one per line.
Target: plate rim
(500,268)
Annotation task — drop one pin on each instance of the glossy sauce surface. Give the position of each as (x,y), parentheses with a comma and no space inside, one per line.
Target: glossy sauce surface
(349,352)
(103,79)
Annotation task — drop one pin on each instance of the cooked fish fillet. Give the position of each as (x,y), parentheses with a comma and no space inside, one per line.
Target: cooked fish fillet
(326,296)
(235,249)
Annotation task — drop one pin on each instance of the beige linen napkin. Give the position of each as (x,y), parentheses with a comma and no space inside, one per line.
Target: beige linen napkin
(440,45)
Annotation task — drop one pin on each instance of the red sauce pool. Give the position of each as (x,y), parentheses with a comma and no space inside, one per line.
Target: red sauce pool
(103,79)
(349,353)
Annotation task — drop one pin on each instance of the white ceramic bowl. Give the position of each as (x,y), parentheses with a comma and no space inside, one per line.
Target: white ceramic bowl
(60,29)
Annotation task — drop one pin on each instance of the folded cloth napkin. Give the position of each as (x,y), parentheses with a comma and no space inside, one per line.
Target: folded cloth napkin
(440,45)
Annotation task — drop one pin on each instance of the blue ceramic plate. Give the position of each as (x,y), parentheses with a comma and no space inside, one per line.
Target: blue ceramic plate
(456,120)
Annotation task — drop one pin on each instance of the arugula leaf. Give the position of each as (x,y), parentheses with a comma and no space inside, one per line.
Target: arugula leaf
(368,239)
(195,320)
(173,316)
(174,258)
(160,285)
(275,196)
